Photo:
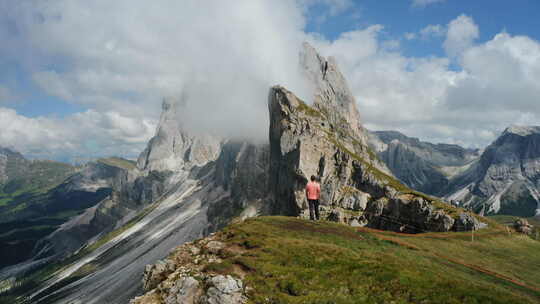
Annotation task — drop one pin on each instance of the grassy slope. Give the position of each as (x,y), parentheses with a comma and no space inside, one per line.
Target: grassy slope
(118,162)
(287,260)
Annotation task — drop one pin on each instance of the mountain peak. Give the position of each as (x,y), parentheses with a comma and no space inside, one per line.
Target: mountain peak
(332,93)
(172,147)
(522,130)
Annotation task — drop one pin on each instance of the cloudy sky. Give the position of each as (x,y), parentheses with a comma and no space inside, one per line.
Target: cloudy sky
(86,78)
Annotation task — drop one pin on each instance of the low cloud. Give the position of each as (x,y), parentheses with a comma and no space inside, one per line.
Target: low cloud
(87,134)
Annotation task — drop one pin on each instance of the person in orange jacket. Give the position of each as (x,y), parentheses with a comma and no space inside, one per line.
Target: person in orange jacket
(313,193)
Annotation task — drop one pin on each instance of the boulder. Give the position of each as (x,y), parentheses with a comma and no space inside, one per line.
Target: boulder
(523,226)
(466,222)
(224,290)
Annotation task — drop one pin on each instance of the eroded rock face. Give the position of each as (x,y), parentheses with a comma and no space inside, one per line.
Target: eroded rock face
(421,165)
(506,178)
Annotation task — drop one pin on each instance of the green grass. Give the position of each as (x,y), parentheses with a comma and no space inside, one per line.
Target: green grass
(118,162)
(4,201)
(288,260)
(30,178)
(303,107)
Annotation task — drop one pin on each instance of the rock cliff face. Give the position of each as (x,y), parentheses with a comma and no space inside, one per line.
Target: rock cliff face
(506,179)
(421,165)
(327,140)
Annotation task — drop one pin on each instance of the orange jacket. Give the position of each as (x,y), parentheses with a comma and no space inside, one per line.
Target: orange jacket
(313,190)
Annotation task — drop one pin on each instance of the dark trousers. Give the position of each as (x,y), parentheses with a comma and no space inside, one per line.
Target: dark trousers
(313,209)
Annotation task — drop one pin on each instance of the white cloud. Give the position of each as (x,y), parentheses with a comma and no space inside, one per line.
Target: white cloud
(432,31)
(87,134)
(424,3)
(424,97)
(410,36)
(461,34)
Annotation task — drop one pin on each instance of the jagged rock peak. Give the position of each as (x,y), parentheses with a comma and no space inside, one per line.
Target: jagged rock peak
(332,93)
(173,148)
(522,130)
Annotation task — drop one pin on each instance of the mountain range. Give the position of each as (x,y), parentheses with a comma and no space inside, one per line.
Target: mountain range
(501,179)
(116,216)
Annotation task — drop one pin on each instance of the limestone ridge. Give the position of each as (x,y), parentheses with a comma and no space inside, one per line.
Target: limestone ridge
(357,187)
(506,178)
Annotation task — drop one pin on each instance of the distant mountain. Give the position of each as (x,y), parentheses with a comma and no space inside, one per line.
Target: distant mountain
(506,178)
(38,196)
(421,165)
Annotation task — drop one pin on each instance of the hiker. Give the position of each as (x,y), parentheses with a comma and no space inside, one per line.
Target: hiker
(313,193)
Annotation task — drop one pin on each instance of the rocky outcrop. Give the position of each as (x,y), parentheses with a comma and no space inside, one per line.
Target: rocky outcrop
(190,276)
(423,166)
(523,226)
(12,163)
(506,179)
(320,140)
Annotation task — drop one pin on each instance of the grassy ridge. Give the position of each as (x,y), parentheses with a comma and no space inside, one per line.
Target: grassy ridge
(118,162)
(288,260)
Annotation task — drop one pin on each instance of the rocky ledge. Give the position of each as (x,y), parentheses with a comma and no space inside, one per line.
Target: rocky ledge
(191,274)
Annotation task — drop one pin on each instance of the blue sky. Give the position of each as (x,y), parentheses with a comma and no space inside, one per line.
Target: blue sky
(86,78)
(521,17)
